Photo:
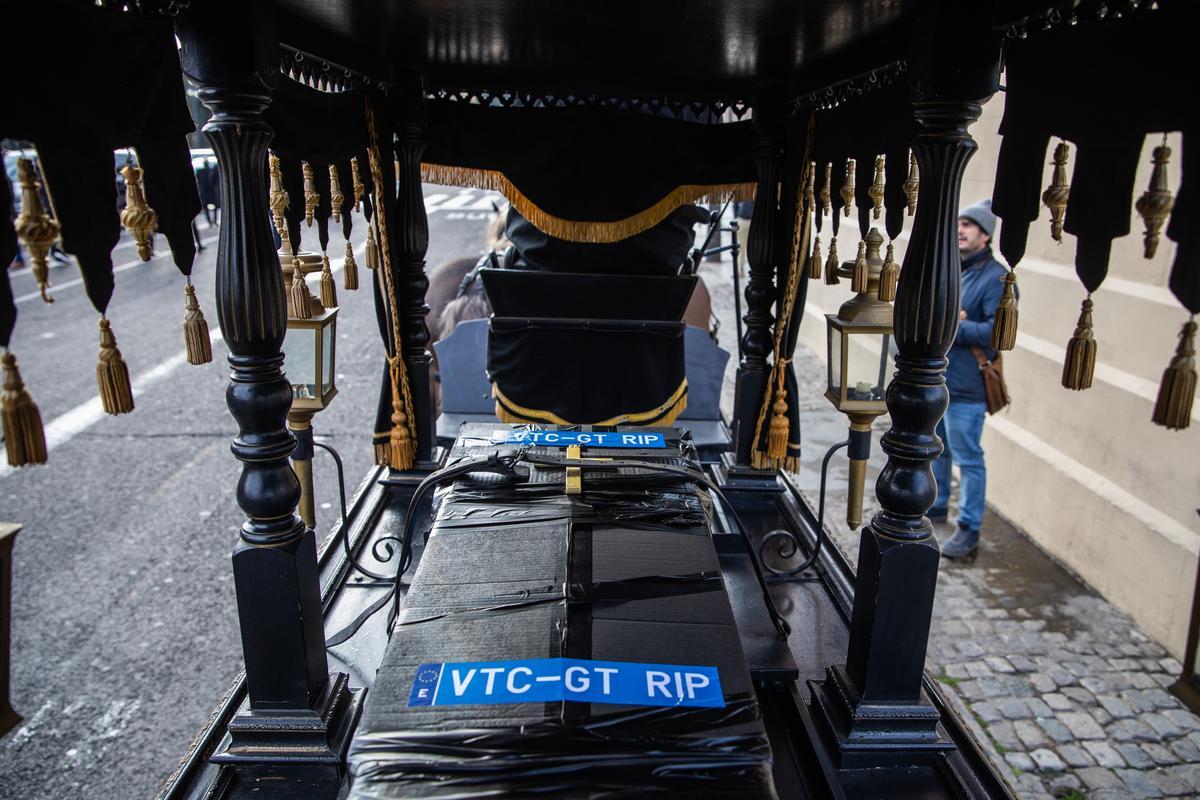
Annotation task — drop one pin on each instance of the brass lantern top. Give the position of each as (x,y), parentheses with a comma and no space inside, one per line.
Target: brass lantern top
(865,308)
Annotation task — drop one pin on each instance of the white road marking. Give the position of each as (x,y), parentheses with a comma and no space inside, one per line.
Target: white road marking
(462,201)
(67,426)
(137,262)
(432,201)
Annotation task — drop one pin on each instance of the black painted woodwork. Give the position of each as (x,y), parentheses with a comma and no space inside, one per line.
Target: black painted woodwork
(762,255)
(542,45)
(412,240)
(298,714)
(875,703)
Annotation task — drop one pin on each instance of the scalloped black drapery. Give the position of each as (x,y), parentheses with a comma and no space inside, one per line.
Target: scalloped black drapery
(131,94)
(1094,86)
(590,165)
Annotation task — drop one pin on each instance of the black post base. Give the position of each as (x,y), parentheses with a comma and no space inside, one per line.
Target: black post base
(860,734)
(294,744)
(734,476)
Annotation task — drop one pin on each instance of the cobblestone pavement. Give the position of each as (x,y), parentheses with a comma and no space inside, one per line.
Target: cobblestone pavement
(1064,691)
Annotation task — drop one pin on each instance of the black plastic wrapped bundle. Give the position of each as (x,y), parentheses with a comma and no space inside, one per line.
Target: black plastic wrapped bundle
(515,570)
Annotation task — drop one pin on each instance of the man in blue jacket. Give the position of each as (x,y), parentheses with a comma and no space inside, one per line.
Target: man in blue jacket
(962,427)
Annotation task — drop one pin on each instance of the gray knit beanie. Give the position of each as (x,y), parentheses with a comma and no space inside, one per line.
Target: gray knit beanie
(981,214)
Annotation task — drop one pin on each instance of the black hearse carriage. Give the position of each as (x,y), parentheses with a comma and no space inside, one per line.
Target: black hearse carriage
(611,580)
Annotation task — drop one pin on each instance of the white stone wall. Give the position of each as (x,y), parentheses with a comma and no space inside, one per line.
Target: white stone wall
(1086,474)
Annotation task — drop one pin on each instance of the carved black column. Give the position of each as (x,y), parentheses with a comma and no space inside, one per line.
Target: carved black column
(875,703)
(412,240)
(757,341)
(298,714)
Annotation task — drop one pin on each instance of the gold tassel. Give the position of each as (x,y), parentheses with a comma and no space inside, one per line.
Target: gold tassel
(336,198)
(889,275)
(831,264)
(311,198)
(777,435)
(847,190)
(372,248)
(350,270)
(278,201)
(827,189)
(138,217)
(861,277)
(1056,196)
(1173,409)
(1080,362)
(912,184)
(299,306)
(112,376)
(24,436)
(1155,205)
(814,260)
(195,328)
(328,287)
(810,188)
(359,188)
(876,189)
(1004,329)
(36,229)
(400,446)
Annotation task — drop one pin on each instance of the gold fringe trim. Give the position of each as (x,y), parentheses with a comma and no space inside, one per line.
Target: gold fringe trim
(1080,362)
(580,231)
(112,375)
(195,328)
(663,414)
(24,436)
(760,460)
(1004,329)
(1173,408)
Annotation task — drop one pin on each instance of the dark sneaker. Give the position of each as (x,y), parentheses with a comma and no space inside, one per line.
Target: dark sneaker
(963,543)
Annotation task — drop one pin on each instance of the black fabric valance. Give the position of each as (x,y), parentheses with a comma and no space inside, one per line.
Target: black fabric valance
(1094,86)
(587,174)
(130,94)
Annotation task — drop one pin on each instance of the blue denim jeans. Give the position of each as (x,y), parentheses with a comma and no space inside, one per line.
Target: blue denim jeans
(960,430)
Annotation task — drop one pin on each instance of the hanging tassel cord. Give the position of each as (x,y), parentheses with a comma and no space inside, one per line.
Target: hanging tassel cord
(831,264)
(889,275)
(195,328)
(815,261)
(298,294)
(402,437)
(1004,328)
(860,279)
(1177,390)
(328,287)
(350,270)
(775,397)
(24,436)
(112,374)
(1080,362)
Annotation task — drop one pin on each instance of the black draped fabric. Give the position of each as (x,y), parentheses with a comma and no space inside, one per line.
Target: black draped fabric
(8,251)
(320,128)
(589,165)
(877,123)
(1094,86)
(130,94)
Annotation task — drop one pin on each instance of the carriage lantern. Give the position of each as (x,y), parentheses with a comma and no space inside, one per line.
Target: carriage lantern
(858,348)
(308,360)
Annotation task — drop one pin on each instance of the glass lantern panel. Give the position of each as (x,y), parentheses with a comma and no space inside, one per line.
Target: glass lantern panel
(326,359)
(300,361)
(866,366)
(835,359)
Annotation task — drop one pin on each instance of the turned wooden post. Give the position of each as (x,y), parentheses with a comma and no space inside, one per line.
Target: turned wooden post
(412,240)
(761,248)
(875,703)
(297,710)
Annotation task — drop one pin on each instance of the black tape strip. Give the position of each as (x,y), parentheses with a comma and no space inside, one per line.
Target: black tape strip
(860,445)
(577,638)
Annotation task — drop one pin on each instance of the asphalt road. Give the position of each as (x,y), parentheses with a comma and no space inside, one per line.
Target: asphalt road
(124,622)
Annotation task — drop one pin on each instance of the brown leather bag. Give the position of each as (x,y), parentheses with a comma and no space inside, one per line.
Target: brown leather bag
(994,388)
